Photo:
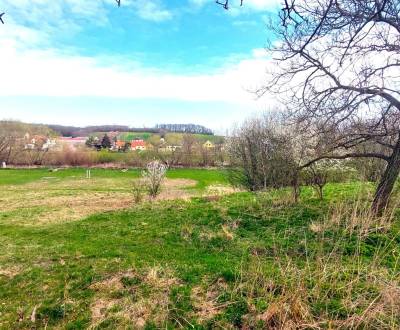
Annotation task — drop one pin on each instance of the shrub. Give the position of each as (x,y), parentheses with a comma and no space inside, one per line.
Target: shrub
(154,175)
(262,154)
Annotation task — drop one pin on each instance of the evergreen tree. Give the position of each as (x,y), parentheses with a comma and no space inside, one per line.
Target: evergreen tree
(106,142)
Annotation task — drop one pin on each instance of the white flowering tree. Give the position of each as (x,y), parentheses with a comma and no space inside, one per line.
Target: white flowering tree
(154,175)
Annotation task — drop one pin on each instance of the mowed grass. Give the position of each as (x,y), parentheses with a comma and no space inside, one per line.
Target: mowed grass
(238,261)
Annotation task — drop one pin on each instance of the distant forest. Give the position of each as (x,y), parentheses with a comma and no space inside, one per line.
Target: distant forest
(185,128)
(160,128)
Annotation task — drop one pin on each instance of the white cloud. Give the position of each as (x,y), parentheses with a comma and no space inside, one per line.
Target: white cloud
(150,10)
(65,14)
(35,68)
(49,73)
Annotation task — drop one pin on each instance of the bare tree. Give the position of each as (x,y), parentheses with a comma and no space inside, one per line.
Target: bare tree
(339,68)
(36,151)
(11,140)
(188,145)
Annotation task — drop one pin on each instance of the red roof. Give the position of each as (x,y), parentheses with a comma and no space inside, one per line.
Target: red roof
(120,144)
(137,143)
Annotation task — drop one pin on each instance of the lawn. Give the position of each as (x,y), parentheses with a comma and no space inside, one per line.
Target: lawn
(233,261)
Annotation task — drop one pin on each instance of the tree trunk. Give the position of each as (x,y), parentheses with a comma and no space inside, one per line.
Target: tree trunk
(387,181)
(296,187)
(320,192)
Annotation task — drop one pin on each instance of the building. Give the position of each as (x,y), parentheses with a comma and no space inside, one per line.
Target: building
(49,144)
(208,145)
(119,145)
(38,142)
(138,145)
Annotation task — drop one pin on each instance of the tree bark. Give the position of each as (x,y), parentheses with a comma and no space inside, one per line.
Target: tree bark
(387,182)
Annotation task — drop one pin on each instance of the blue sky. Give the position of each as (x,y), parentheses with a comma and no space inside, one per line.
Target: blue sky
(84,62)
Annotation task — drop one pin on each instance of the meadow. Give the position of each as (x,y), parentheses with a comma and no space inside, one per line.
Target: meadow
(78,253)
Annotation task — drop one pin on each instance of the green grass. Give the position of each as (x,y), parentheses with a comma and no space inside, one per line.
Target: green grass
(242,253)
(128,136)
(204,177)
(172,138)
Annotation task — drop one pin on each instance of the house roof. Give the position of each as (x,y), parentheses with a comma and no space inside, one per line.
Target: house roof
(120,144)
(137,143)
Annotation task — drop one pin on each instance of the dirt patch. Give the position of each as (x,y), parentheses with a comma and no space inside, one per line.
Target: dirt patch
(205,300)
(140,297)
(10,272)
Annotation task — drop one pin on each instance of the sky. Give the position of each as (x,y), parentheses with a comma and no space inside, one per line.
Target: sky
(88,62)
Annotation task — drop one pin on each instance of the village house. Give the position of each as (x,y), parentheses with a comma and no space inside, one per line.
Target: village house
(49,144)
(208,145)
(169,148)
(138,145)
(38,141)
(119,145)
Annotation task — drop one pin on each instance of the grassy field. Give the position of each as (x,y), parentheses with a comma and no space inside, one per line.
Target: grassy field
(71,259)
(172,138)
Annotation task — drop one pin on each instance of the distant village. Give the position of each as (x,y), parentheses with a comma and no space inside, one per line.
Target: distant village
(109,141)
(24,144)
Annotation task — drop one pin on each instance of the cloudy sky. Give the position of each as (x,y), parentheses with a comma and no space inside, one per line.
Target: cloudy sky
(82,62)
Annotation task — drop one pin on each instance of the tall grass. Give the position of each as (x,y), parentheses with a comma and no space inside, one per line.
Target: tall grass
(335,283)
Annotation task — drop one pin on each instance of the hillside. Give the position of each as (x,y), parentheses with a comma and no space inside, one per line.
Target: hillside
(170,138)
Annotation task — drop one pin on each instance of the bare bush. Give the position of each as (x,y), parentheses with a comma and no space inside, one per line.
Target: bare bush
(264,154)
(154,175)
(319,174)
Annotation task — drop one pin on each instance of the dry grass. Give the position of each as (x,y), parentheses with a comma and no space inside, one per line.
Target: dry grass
(10,272)
(292,290)
(357,218)
(57,201)
(220,190)
(205,300)
(134,297)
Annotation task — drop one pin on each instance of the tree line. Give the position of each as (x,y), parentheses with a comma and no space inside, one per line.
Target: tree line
(185,128)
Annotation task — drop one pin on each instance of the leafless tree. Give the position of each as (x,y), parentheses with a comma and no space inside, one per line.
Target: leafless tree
(338,73)
(36,153)
(188,145)
(11,140)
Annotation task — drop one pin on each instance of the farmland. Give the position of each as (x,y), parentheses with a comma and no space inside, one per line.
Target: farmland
(79,253)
